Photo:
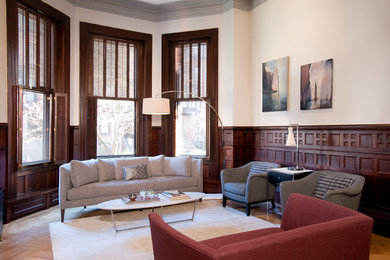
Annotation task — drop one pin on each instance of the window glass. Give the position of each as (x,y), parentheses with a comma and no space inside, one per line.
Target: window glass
(115,127)
(36,125)
(191,128)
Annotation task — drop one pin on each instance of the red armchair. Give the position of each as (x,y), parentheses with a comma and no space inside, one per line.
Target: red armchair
(310,229)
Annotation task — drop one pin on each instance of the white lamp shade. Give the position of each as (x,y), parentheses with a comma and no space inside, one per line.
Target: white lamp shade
(290,137)
(155,106)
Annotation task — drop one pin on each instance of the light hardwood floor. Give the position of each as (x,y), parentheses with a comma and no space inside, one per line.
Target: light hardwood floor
(29,237)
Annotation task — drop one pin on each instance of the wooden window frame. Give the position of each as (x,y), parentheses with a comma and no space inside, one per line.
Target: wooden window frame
(168,83)
(60,89)
(88,102)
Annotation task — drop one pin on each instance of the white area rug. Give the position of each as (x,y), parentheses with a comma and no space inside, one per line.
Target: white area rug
(95,237)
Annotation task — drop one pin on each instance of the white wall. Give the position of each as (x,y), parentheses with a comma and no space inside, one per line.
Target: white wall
(355,33)
(242,68)
(3,63)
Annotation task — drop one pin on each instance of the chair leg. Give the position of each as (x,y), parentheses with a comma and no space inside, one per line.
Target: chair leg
(273,203)
(85,207)
(62,215)
(224,199)
(248,209)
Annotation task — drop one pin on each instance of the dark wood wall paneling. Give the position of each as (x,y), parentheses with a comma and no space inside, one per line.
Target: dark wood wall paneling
(3,153)
(358,149)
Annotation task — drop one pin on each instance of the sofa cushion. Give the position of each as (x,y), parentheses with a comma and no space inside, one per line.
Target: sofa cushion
(120,162)
(83,172)
(179,166)
(327,183)
(122,187)
(135,172)
(157,166)
(235,187)
(106,169)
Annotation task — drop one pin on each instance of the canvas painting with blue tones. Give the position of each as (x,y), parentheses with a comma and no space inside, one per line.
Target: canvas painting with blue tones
(317,85)
(275,85)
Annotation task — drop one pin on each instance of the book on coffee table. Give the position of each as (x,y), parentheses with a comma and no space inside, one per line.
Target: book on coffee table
(175,195)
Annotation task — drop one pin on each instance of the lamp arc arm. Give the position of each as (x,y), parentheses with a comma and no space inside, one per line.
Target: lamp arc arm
(200,98)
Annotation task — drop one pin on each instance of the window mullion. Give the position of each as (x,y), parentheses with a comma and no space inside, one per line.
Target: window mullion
(190,71)
(182,71)
(116,68)
(38,58)
(104,66)
(27,66)
(48,56)
(128,70)
(199,69)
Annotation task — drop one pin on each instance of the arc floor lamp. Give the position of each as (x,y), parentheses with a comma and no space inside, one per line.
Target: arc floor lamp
(158,105)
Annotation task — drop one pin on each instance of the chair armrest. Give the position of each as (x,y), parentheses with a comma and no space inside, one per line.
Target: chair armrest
(65,183)
(303,186)
(258,188)
(348,197)
(239,174)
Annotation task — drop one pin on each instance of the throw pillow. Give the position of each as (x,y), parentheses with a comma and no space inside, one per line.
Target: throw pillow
(327,183)
(156,164)
(180,166)
(106,169)
(121,162)
(257,168)
(135,172)
(83,172)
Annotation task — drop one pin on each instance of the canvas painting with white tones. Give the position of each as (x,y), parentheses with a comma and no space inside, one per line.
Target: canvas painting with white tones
(317,85)
(275,81)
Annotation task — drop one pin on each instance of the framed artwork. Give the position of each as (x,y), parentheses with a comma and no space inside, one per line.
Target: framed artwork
(275,81)
(317,85)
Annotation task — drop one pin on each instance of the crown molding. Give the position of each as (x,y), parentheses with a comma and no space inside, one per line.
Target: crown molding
(167,11)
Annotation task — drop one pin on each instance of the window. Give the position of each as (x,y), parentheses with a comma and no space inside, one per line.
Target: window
(191,80)
(35,79)
(115,78)
(192,72)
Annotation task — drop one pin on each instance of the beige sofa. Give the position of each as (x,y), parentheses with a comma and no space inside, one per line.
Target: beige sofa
(90,182)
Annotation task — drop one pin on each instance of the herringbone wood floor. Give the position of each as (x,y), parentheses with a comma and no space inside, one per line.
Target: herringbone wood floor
(29,237)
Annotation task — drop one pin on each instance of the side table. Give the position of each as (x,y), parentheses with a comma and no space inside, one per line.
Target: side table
(278,175)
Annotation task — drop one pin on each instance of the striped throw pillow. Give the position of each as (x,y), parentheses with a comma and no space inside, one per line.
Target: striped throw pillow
(327,183)
(258,169)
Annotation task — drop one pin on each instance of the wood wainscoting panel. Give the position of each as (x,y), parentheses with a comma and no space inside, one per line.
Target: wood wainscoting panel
(3,153)
(357,149)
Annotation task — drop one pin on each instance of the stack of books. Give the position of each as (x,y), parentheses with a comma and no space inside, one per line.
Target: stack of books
(175,195)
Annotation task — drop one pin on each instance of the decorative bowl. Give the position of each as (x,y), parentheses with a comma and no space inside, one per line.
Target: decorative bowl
(132,196)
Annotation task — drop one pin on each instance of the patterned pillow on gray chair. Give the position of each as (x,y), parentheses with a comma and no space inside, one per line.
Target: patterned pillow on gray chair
(327,183)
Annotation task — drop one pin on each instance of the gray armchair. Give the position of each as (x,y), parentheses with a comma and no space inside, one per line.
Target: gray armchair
(348,197)
(240,185)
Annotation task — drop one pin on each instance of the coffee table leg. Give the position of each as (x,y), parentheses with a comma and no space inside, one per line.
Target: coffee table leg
(193,211)
(113,221)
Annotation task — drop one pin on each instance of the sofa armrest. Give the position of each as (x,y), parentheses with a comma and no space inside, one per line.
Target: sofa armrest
(197,171)
(303,186)
(65,183)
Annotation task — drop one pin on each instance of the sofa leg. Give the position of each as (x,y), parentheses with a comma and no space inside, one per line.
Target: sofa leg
(248,209)
(224,199)
(62,215)
(85,207)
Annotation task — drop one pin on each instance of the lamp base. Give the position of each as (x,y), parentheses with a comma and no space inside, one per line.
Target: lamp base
(295,168)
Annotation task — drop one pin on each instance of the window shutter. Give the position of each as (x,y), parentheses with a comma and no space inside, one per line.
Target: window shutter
(19,122)
(60,128)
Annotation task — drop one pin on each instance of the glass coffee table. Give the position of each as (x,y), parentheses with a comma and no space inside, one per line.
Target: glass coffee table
(119,205)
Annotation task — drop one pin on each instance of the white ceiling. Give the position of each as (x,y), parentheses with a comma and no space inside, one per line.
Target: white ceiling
(163,10)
